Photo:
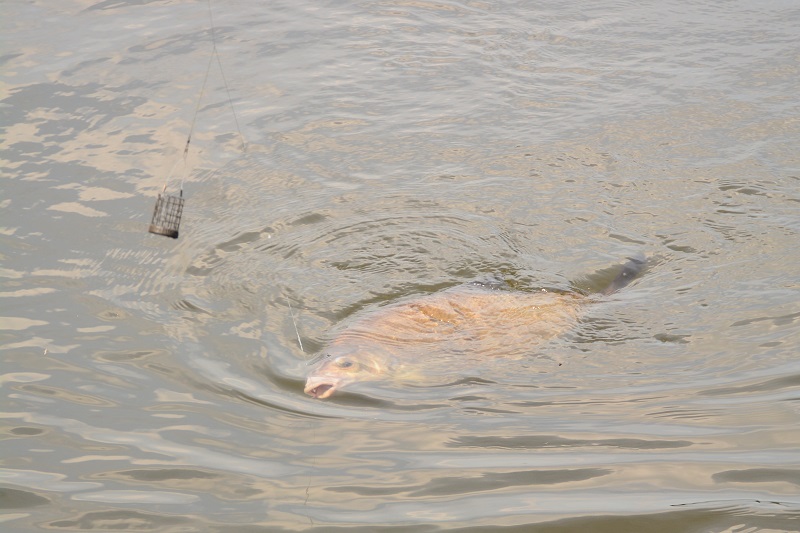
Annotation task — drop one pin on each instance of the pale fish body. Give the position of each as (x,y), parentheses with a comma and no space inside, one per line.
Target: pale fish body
(465,323)
(468,321)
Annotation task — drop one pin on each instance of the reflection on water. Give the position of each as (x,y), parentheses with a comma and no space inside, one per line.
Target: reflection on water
(398,149)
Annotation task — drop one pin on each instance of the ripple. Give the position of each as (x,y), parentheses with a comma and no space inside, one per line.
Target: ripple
(20,499)
(136,496)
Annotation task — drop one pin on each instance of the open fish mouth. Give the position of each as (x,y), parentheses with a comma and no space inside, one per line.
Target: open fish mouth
(319,390)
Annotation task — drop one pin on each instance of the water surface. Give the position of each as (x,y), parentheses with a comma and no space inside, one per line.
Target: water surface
(396,149)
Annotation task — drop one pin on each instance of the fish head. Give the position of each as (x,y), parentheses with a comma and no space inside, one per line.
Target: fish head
(338,367)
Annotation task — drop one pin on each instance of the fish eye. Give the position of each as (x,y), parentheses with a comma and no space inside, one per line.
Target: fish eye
(344,363)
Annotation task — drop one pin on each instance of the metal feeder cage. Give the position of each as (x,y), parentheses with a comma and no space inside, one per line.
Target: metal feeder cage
(167,215)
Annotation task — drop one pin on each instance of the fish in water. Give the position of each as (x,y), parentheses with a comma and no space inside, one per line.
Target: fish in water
(470,321)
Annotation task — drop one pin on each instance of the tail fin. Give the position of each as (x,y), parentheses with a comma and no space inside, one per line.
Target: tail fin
(629,272)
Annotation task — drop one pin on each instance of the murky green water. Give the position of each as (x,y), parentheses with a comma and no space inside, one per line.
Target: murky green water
(396,149)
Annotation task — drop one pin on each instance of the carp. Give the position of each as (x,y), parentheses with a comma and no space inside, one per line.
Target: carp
(471,321)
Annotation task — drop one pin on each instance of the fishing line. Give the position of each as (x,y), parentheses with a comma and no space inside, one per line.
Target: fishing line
(169,207)
(297,331)
(313,430)
(222,73)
